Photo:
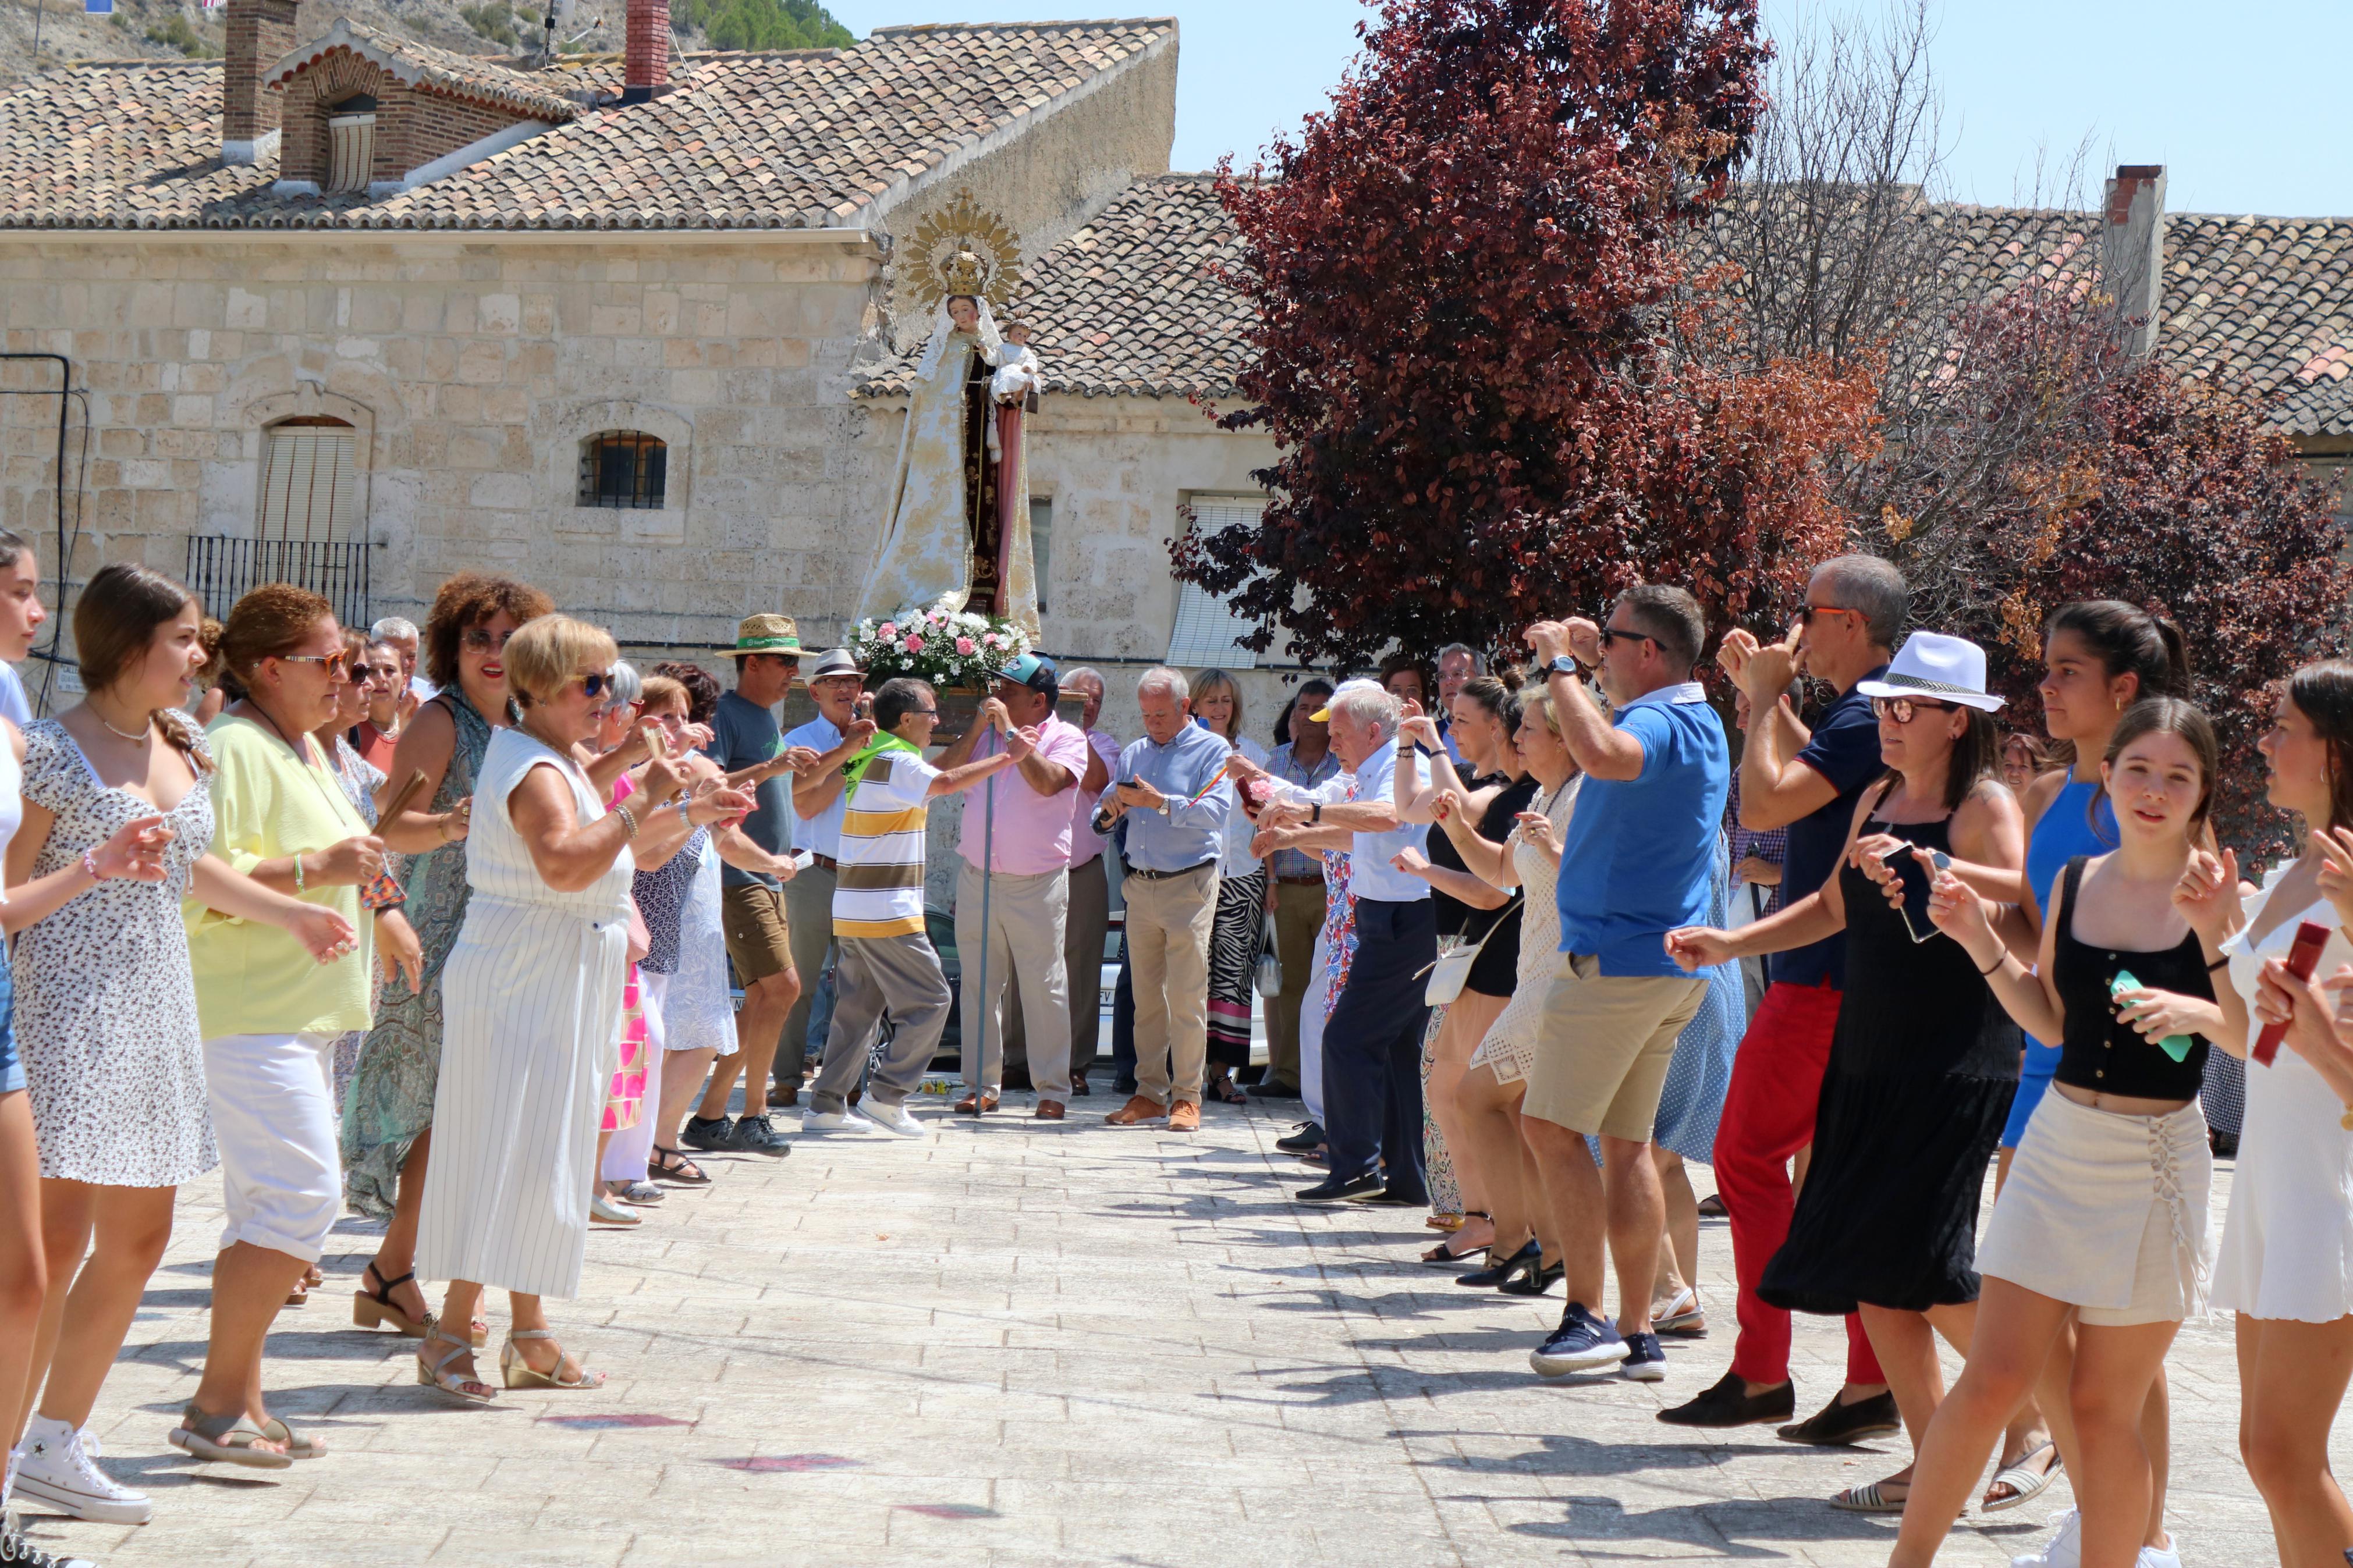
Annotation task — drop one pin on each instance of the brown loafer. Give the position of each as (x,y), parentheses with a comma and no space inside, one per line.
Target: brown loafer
(1184,1117)
(1135,1112)
(1049,1110)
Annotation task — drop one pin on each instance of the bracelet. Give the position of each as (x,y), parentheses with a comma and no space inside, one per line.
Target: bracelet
(629,820)
(1315,814)
(298,875)
(90,863)
(683,820)
(2217,964)
(1989,973)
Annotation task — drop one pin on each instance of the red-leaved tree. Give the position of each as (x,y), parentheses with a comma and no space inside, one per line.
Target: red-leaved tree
(2113,477)
(1479,347)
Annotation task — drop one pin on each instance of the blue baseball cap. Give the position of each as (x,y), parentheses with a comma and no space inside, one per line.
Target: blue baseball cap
(1036,671)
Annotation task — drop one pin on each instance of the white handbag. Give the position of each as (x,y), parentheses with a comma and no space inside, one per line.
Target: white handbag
(1451,971)
(1268,979)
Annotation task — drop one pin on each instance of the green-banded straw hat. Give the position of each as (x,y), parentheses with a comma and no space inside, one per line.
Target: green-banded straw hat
(766,633)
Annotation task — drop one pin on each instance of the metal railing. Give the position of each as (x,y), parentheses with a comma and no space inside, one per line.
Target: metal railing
(221,569)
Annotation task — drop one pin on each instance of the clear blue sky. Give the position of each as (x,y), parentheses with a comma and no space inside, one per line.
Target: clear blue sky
(2243,101)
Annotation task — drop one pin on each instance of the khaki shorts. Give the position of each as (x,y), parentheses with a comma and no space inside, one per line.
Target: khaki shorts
(759,940)
(1604,1046)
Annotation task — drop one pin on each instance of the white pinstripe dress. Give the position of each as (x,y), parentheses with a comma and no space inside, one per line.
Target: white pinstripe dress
(531,995)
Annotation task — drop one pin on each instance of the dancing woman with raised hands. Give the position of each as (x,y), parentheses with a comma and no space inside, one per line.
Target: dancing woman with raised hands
(2103,1221)
(1922,1063)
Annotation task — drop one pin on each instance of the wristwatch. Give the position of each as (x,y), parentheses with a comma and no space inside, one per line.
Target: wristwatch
(1563,663)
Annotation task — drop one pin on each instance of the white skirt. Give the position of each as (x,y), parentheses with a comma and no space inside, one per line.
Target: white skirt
(2287,1244)
(2106,1213)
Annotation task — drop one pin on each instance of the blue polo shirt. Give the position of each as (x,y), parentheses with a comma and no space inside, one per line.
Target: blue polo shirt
(1640,860)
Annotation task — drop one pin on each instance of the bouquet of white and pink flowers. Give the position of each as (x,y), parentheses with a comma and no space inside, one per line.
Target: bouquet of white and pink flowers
(946,648)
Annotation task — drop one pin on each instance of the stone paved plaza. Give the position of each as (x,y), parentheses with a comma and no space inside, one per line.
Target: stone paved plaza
(1009,1345)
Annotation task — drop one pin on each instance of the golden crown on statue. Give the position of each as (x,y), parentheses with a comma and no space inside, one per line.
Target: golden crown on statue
(962,249)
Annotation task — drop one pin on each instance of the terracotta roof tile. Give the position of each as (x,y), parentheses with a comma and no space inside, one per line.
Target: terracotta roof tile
(789,140)
(537,94)
(1130,304)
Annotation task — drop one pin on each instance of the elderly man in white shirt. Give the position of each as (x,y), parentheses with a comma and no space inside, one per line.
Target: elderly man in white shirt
(1372,1045)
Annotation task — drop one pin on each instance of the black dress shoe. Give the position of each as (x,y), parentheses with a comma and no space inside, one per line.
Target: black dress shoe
(1728,1403)
(1835,1425)
(1499,1269)
(1537,1280)
(1391,1198)
(1333,1188)
(1275,1090)
(1304,1141)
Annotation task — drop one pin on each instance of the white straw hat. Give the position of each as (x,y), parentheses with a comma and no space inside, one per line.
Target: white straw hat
(1932,665)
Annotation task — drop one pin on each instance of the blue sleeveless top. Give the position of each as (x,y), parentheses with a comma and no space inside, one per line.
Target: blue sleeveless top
(2066,829)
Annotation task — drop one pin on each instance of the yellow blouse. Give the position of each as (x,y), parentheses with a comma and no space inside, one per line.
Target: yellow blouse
(256,979)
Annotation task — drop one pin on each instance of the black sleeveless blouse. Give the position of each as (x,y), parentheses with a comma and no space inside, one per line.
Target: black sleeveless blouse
(2099,1051)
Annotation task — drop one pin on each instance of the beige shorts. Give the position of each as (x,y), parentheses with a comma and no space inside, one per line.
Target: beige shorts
(1604,1046)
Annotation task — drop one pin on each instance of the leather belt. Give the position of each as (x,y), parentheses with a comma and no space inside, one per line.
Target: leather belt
(824,862)
(1151,876)
(1299,881)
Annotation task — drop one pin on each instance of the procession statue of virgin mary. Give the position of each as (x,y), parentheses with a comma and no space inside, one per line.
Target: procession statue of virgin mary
(956,519)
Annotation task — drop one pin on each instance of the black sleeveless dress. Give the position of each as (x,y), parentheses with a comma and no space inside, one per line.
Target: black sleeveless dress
(1496,971)
(1921,1073)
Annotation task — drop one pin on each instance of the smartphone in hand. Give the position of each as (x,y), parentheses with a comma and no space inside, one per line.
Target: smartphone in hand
(1914,878)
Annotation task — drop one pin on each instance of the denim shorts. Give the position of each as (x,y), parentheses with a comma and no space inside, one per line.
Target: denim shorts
(11,1065)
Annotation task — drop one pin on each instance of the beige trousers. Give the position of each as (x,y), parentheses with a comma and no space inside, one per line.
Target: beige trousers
(1168,921)
(1024,947)
(1298,916)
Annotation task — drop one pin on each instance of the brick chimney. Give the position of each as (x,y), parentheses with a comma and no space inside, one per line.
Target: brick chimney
(260,33)
(2132,252)
(645,59)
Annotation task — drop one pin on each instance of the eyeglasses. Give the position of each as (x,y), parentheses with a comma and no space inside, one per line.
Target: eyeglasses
(925,713)
(1806,615)
(1902,708)
(334,663)
(482,639)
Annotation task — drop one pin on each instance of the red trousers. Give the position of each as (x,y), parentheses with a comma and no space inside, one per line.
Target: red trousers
(1768,1116)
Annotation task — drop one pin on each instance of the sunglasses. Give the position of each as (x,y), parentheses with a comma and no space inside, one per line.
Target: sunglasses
(1902,709)
(482,639)
(335,664)
(634,708)
(596,684)
(1612,634)
(1807,613)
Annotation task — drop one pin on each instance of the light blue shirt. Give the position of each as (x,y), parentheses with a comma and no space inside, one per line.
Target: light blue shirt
(12,705)
(821,834)
(1194,830)
(1370,875)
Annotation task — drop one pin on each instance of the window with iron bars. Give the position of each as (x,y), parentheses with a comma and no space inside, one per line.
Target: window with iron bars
(624,468)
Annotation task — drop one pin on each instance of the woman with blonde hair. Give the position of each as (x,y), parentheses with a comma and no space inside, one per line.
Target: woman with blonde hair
(1240,925)
(532,993)
(389,1110)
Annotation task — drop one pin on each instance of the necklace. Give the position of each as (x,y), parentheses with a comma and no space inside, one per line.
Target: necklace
(136,737)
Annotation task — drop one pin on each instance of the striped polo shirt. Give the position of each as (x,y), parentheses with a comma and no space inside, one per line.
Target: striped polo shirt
(879,889)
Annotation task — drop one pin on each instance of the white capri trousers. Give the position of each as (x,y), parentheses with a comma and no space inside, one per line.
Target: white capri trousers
(273,1111)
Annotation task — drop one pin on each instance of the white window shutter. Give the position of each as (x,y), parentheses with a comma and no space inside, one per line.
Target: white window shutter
(1205,632)
(309,487)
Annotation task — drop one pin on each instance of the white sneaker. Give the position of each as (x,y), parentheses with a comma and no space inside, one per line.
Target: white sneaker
(2166,1556)
(2066,1548)
(52,1467)
(842,1120)
(896,1119)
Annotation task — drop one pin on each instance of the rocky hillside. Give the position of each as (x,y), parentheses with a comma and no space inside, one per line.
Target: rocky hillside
(167,30)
